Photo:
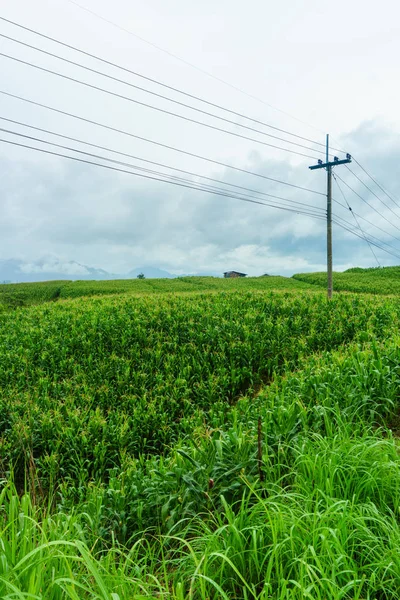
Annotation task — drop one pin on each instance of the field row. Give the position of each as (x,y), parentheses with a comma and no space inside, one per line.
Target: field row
(229,443)
(87,382)
(25,294)
(382,280)
(316,518)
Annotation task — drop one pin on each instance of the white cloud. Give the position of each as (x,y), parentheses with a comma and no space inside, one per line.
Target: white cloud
(54,266)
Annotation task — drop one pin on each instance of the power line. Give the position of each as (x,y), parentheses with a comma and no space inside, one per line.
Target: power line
(352,231)
(370,205)
(356,220)
(183,183)
(194,187)
(372,192)
(360,236)
(371,238)
(160,144)
(137,87)
(369,222)
(377,183)
(113,151)
(234,87)
(155,81)
(129,165)
(146,105)
(169,99)
(375,239)
(179,184)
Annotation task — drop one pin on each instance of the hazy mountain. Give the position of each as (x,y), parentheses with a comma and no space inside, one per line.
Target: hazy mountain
(51,268)
(47,269)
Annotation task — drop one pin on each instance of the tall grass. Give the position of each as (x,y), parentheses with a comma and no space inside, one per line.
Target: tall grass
(51,557)
(330,534)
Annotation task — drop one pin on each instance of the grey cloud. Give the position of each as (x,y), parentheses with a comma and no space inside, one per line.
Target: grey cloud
(119,222)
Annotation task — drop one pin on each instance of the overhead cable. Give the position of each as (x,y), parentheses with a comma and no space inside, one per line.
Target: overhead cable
(366,202)
(372,192)
(146,105)
(353,232)
(234,87)
(151,92)
(160,144)
(356,220)
(377,183)
(369,222)
(137,167)
(125,154)
(179,184)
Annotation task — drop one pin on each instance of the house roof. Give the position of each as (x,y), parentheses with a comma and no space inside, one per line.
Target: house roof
(237,273)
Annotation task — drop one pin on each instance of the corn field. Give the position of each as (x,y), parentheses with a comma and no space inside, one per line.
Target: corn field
(199,438)
(376,280)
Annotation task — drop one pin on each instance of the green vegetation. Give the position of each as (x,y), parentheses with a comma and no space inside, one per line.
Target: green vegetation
(379,280)
(77,289)
(86,383)
(25,294)
(13,295)
(239,444)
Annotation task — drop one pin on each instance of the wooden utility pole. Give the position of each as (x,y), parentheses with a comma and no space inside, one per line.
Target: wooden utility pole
(328,165)
(329,220)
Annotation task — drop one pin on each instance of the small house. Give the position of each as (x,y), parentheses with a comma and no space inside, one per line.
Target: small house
(234,274)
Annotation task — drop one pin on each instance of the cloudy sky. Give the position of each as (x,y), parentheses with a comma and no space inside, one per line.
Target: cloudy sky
(302,66)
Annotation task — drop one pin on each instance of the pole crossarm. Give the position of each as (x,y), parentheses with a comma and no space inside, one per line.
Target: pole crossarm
(331,163)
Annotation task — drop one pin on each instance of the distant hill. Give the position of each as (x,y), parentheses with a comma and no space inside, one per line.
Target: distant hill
(15,270)
(48,269)
(51,268)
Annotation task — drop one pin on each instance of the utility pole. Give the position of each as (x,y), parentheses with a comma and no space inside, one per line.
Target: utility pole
(328,165)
